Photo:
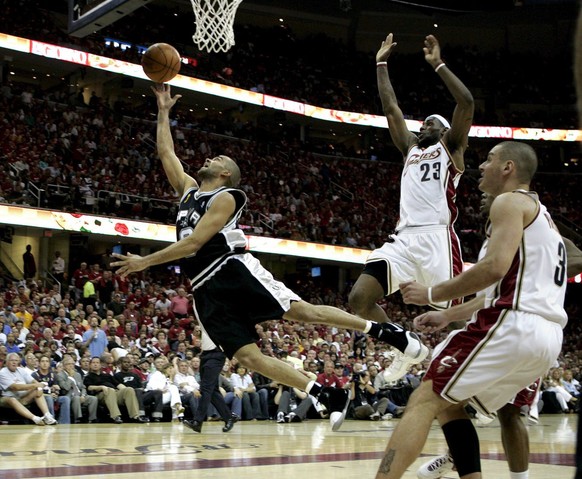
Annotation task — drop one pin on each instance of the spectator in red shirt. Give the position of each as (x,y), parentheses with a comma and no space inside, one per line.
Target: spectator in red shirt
(95,274)
(328,377)
(164,319)
(140,299)
(131,313)
(80,277)
(175,330)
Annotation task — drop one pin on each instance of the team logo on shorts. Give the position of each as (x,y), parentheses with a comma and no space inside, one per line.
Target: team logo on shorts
(448,362)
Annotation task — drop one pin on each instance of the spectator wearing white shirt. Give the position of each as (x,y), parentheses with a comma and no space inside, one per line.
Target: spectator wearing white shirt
(244,387)
(20,389)
(187,384)
(58,267)
(163,304)
(159,380)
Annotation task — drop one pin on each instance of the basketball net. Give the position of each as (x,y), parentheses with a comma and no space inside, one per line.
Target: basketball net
(214,24)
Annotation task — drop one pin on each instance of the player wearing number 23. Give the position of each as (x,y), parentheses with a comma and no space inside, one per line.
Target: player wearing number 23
(425,247)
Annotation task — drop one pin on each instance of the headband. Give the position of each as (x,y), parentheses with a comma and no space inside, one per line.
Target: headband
(441,119)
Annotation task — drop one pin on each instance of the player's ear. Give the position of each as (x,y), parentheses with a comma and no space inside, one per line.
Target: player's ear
(509,166)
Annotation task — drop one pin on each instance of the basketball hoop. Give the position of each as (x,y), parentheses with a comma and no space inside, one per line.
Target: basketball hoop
(214,21)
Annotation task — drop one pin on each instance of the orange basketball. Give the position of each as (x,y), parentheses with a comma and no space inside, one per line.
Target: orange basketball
(161,62)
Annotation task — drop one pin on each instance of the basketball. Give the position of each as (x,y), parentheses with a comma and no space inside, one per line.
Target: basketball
(161,62)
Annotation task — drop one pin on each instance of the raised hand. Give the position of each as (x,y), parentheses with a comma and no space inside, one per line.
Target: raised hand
(432,51)
(385,49)
(163,94)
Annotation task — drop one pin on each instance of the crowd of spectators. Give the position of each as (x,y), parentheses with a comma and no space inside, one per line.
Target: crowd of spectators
(142,333)
(326,72)
(87,159)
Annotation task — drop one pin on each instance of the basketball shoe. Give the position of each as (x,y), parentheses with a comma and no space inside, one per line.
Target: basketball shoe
(436,468)
(482,420)
(415,353)
(336,400)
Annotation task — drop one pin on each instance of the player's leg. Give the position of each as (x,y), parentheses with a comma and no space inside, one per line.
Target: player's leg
(251,357)
(385,268)
(394,335)
(515,439)
(408,439)
(365,294)
(335,399)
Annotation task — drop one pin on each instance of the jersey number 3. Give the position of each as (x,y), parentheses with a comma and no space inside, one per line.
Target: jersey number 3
(426,171)
(560,272)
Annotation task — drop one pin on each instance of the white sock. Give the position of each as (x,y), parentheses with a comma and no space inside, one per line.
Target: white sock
(309,386)
(519,475)
(368,326)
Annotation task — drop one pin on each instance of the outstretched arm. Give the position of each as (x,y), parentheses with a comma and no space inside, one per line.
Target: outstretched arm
(435,320)
(402,138)
(177,177)
(457,136)
(219,213)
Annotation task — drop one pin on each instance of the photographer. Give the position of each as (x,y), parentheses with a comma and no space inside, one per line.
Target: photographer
(365,402)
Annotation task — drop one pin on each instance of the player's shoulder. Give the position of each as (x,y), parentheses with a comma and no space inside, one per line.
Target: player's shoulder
(513,202)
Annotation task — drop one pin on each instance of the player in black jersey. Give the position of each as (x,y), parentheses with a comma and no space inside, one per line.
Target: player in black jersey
(232,291)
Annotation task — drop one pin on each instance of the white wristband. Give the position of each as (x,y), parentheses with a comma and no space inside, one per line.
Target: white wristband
(429,294)
(439,66)
(379,64)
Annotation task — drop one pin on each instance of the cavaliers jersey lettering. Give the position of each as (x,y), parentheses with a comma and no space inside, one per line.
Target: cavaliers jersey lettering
(228,241)
(428,188)
(536,280)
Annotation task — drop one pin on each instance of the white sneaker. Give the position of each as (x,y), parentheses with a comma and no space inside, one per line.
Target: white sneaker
(482,420)
(49,420)
(375,416)
(280,416)
(436,468)
(387,417)
(415,353)
(337,421)
(532,420)
(38,421)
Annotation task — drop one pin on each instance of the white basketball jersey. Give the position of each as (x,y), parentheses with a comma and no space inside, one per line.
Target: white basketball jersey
(536,280)
(428,188)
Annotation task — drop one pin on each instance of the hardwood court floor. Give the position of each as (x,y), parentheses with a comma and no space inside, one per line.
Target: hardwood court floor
(253,450)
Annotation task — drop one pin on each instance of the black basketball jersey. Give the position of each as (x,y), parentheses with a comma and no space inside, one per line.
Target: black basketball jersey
(228,241)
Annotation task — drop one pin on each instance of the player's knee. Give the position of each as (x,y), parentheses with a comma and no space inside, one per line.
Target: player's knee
(359,300)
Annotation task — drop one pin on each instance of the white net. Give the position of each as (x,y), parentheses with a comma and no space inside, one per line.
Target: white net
(214,22)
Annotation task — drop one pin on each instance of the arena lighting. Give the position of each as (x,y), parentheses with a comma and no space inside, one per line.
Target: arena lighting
(194,84)
(116,227)
(91,224)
